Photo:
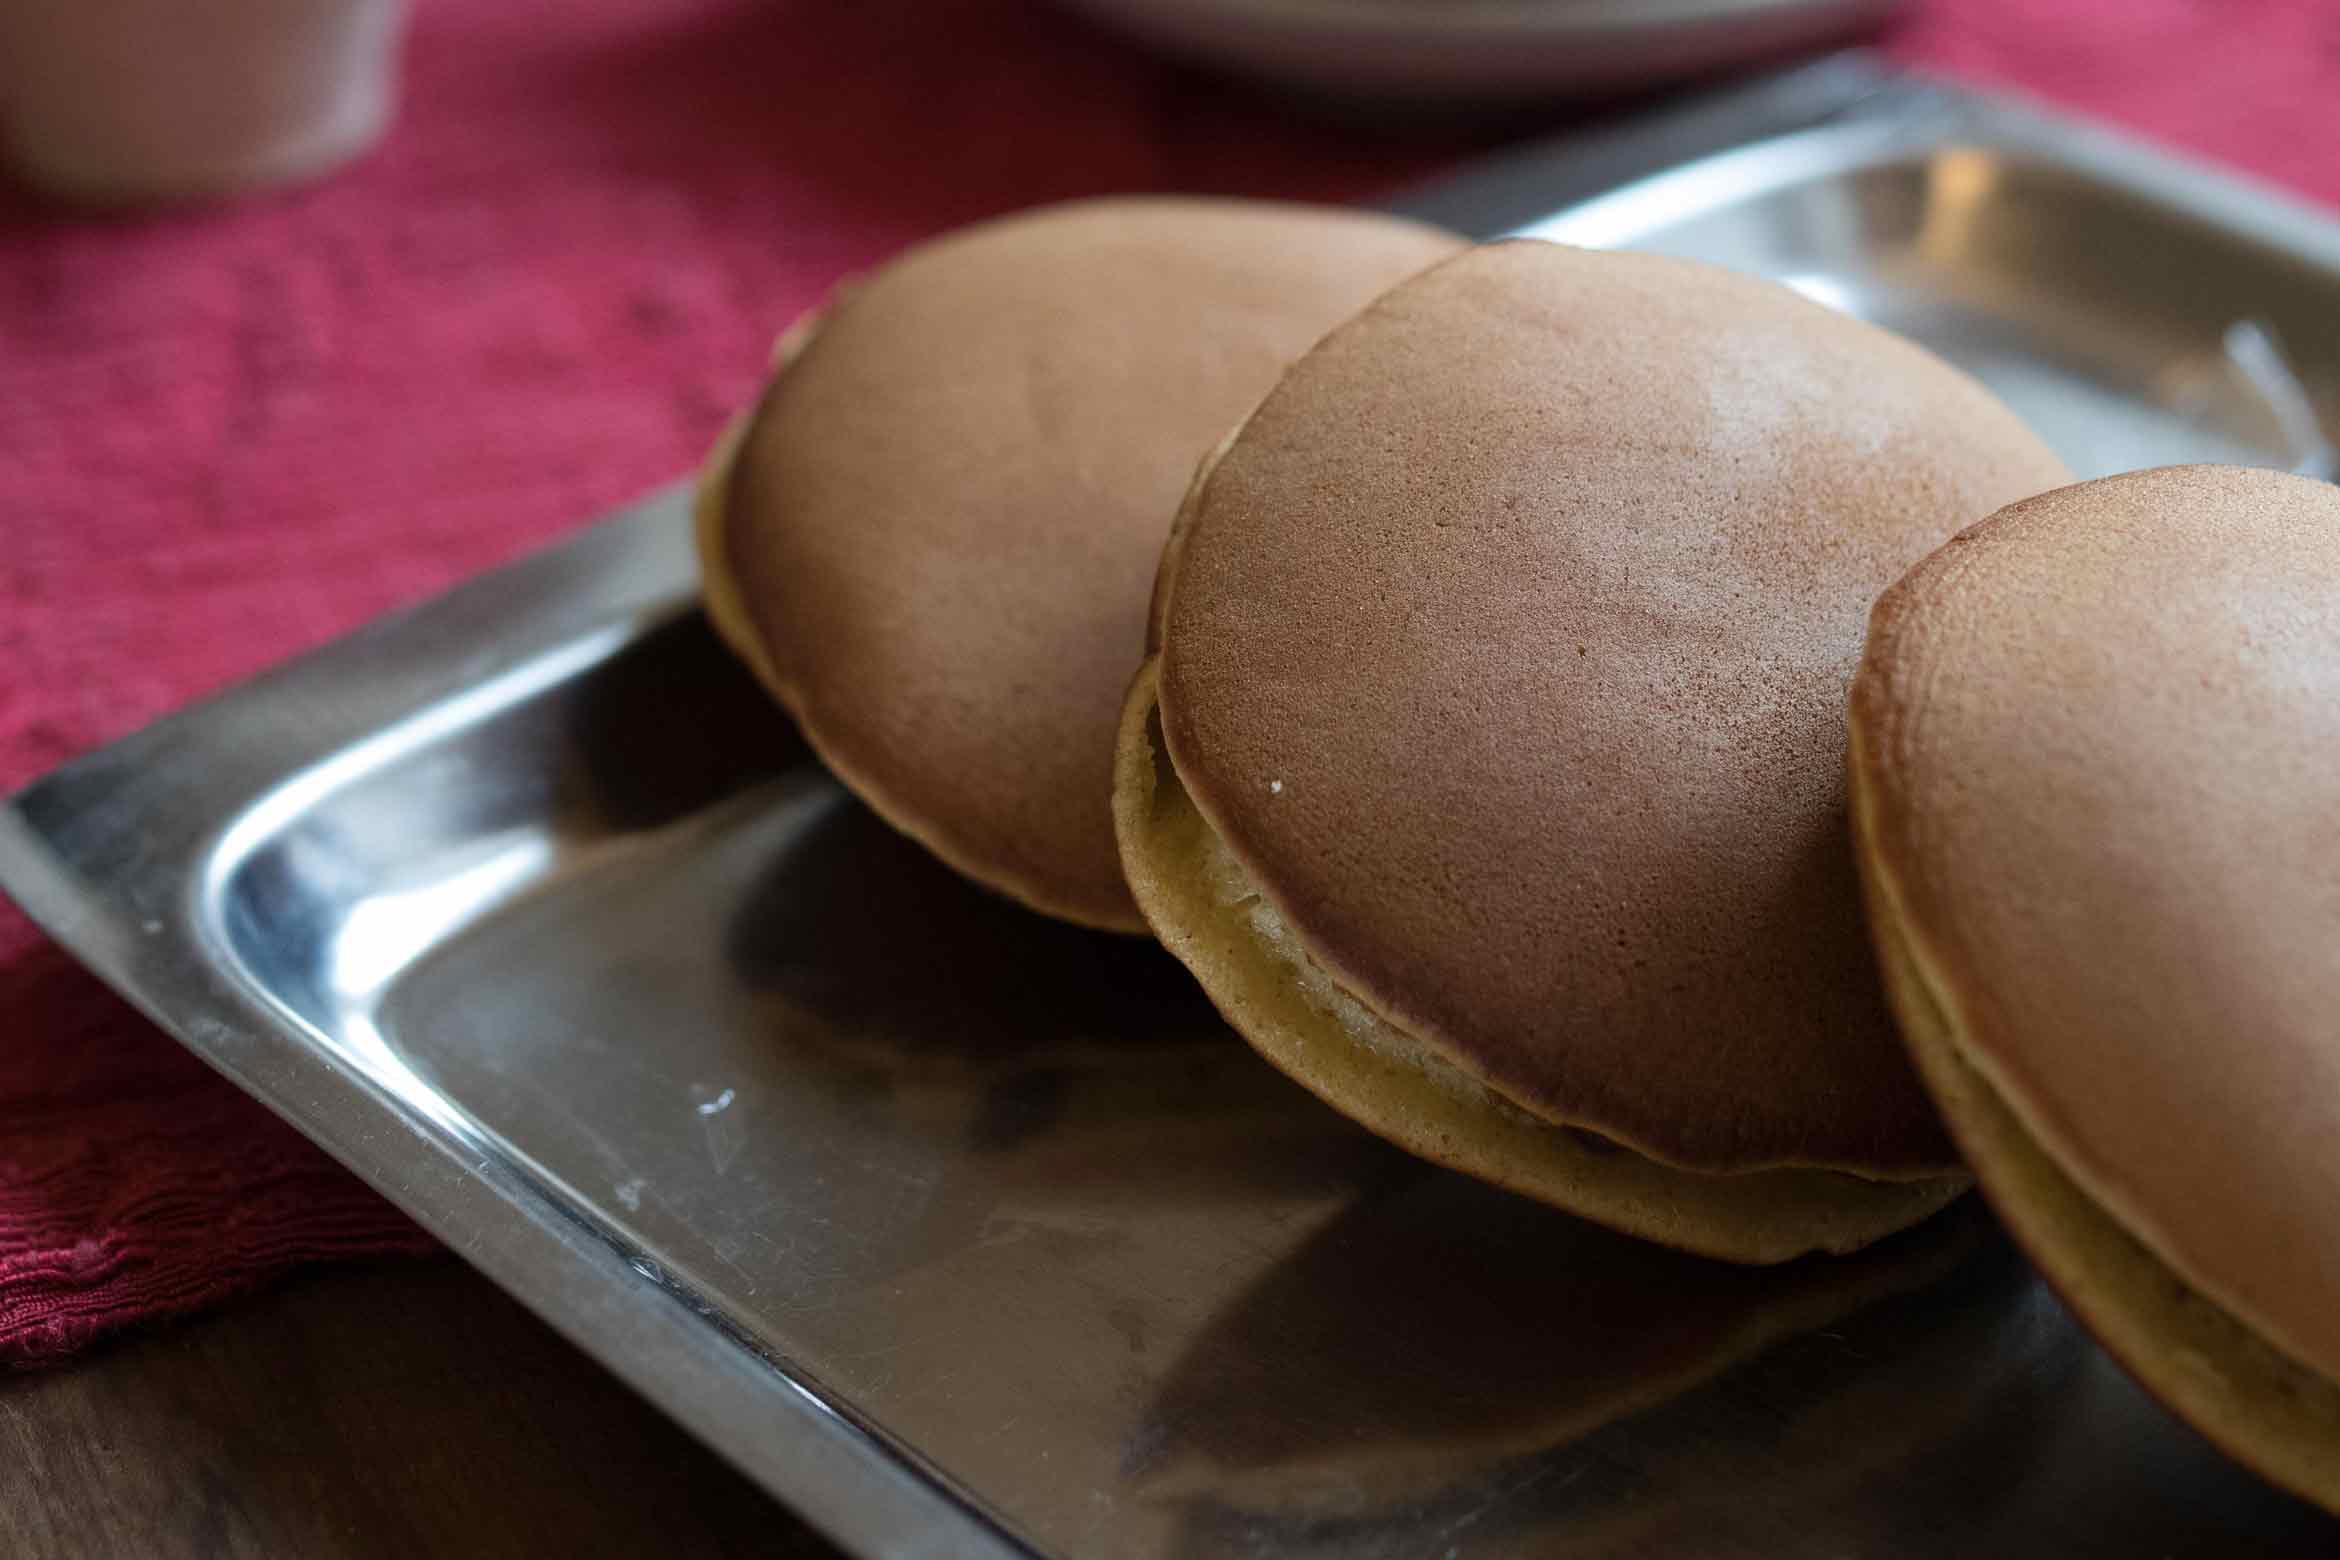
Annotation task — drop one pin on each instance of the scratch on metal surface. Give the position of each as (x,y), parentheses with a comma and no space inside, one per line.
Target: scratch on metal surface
(614,1159)
(726,1135)
(1102,1506)
(724,1141)
(725,1251)
(1504,1493)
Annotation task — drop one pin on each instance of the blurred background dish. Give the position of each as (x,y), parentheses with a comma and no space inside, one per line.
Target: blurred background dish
(136,102)
(1484,51)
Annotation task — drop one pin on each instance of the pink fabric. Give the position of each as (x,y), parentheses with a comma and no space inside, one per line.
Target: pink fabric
(231,434)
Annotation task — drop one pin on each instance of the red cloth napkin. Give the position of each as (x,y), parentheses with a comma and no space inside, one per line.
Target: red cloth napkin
(228,435)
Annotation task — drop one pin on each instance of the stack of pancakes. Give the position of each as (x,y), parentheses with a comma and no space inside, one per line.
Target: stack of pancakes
(1444,651)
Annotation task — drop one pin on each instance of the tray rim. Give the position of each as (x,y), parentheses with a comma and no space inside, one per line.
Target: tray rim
(139,922)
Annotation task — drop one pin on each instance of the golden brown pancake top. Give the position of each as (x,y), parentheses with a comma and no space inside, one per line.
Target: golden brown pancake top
(947,512)
(2102,737)
(1508,645)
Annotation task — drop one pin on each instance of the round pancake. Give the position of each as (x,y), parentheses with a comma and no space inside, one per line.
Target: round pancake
(1496,783)
(2096,768)
(934,536)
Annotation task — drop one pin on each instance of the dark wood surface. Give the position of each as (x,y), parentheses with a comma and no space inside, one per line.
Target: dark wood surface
(404,1409)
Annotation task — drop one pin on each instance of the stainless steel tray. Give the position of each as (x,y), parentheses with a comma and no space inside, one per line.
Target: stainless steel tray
(969,1234)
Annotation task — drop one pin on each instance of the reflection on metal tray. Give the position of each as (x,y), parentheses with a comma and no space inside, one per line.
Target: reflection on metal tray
(971,1234)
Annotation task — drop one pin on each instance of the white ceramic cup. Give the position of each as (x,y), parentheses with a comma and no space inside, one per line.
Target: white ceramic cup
(127,102)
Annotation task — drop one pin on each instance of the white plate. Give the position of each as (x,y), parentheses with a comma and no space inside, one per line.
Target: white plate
(1494,50)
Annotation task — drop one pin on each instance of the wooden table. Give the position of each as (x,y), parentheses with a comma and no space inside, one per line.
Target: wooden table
(403,1409)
